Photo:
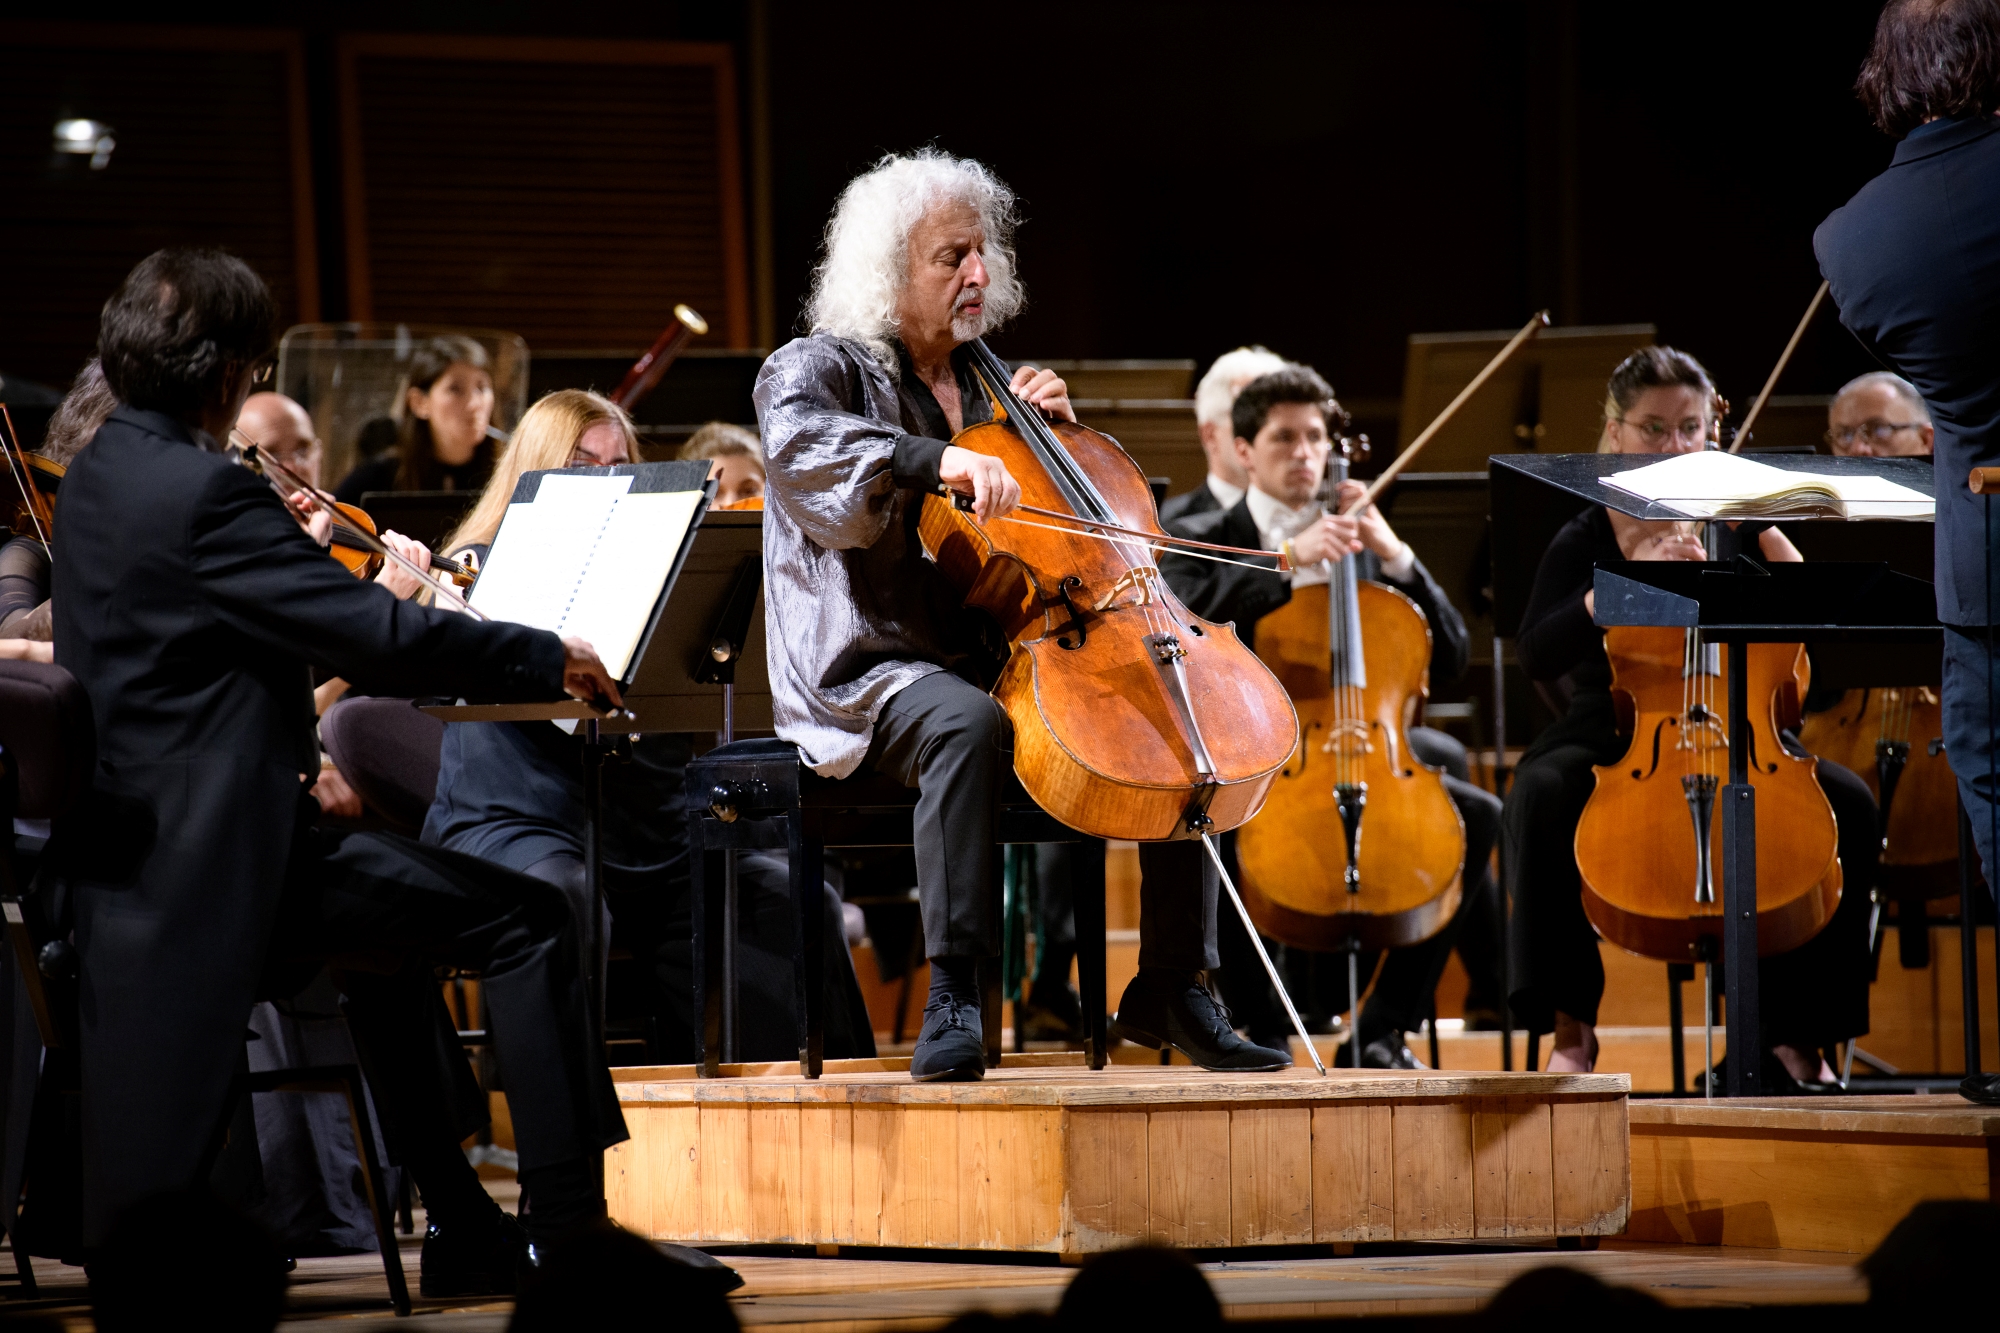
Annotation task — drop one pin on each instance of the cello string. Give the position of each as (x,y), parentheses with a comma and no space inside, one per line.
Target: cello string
(1160,547)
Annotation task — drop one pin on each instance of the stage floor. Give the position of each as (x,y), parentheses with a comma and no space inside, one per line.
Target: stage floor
(858,1295)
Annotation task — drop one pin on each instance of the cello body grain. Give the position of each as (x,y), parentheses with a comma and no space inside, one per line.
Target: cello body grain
(1635,845)
(1100,740)
(1294,854)
(1920,845)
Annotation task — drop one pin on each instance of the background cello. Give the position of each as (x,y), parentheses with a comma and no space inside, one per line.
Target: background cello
(1355,658)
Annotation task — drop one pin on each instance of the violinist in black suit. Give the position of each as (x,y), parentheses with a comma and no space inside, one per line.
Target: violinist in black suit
(1913,261)
(189,605)
(1280,426)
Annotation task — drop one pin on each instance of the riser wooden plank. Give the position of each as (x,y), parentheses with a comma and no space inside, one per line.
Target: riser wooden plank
(850,1162)
(1772,1190)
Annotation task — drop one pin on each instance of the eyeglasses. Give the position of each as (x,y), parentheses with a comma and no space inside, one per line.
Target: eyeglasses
(1694,429)
(263,372)
(1878,432)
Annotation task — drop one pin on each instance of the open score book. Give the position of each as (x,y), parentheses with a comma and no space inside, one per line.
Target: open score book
(1713,484)
(588,557)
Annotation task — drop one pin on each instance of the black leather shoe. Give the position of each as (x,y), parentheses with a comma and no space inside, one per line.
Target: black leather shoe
(1177,1009)
(950,1045)
(722,1275)
(1981,1088)
(1390,1052)
(481,1258)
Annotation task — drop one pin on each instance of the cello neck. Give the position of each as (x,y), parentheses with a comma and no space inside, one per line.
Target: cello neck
(1075,485)
(1343,600)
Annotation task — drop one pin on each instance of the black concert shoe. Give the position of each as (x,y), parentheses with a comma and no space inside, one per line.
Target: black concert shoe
(1389,1051)
(722,1275)
(950,1046)
(1177,1009)
(1051,1013)
(485,1257)
(1981,1088)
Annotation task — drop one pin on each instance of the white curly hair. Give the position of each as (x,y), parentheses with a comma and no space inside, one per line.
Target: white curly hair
(866,259)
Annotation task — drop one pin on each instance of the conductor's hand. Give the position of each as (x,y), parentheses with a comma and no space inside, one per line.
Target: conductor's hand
(1331,537)
(393,576)
(994,491)
(1043,389)
(585,678)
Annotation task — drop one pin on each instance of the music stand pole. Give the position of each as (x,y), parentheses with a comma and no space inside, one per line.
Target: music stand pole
(731,917)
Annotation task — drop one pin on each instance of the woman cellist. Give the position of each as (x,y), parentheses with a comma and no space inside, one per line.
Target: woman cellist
(1658,401)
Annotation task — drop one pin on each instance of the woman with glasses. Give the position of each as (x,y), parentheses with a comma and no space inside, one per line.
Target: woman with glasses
(1659,401)
(511,792)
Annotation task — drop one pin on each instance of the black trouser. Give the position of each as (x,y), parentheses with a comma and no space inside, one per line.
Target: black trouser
(652,917)
(360,899)
(1971,685)
(953,743)
(1814,995)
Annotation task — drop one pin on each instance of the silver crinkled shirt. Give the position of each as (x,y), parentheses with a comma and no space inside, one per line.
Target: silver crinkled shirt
(853,609)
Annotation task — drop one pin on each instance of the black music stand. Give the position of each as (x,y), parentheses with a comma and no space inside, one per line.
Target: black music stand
(661,687)
(1737,603)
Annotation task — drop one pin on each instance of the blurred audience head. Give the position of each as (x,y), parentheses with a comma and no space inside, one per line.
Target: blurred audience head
(1934,1261)
(80,413)
(605,1277)
(188,333)
(1558,1297)
(567,428)
(188,1254)
(282,431)
(1879,415)
(737,460)
(443,411)
(1144,1287)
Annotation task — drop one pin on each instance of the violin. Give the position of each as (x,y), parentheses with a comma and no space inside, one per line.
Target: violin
(347,543)
(1649,847)
(30,511)
(1133,717)
(1358,840)
(1885,735)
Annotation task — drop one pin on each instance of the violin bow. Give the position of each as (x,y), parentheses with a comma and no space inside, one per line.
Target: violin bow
(323,503)
(1784,358)
(1416,446)
(30,497)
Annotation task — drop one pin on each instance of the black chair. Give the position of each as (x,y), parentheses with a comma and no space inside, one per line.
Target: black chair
(48,747)
(754,794)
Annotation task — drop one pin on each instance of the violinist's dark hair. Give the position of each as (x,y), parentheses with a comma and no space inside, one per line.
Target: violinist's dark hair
(419,469)
(1931,58)
(81,412)
(176,325)
(1293,384)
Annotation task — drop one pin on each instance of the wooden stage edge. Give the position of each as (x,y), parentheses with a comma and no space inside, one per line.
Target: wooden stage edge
(1046,1155)
(1804,1173)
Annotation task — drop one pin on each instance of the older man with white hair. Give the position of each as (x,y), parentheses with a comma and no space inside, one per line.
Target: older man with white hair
(1879,415)
(864,633)
(1226,481)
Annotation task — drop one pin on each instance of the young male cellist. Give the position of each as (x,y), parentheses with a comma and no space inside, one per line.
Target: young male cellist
(1281,422)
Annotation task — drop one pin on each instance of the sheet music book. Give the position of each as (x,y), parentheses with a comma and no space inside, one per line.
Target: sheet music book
(584,552)
(1714,484)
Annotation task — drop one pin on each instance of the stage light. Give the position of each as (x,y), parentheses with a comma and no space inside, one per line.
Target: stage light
(90,138)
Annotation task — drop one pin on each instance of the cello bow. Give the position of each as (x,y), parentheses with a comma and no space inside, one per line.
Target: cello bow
(1784,359)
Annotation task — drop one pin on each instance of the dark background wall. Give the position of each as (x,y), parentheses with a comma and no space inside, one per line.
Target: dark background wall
(1325,178)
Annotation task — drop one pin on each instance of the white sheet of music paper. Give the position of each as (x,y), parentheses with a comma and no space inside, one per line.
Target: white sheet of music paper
(586,557)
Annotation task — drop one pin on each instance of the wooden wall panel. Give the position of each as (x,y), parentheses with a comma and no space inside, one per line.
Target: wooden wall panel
(571,191)
(212,149)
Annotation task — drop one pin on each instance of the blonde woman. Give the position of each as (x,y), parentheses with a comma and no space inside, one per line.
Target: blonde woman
(510,792)
(736,462)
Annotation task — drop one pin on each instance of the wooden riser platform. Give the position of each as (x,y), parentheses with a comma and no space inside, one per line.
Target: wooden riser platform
(1804,1173)
(1045,1155)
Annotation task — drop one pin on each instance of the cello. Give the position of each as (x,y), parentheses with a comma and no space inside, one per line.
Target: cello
(1649,848)
(1355,658)
(1133,717)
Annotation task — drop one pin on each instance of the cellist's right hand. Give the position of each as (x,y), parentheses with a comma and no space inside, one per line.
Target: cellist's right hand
(994,491)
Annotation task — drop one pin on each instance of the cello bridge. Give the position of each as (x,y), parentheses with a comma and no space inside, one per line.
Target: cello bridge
(1349,736)
(1140,580)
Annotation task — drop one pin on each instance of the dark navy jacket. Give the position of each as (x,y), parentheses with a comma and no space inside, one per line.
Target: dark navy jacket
(1914,263)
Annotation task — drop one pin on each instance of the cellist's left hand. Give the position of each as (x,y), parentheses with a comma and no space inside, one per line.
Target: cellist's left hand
(1043,389)
(1370,528)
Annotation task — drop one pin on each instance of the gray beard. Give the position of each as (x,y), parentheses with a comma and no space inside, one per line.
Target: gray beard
(965,327)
